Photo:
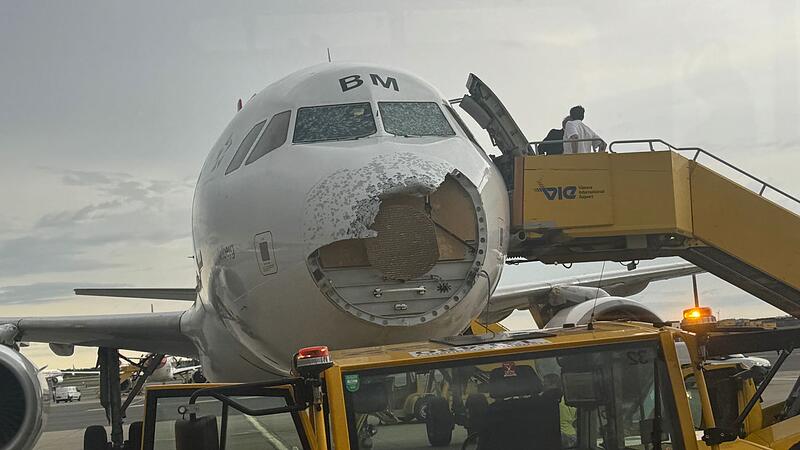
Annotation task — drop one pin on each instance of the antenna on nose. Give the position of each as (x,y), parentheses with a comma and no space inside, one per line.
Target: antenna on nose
(239,105)
(329,54)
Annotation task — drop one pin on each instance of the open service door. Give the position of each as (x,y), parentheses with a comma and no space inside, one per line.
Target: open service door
(484,106)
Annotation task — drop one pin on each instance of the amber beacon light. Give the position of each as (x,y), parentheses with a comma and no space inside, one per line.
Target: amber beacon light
(698,315)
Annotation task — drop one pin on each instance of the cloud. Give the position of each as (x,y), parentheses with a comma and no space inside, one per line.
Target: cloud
(65,218)
(122,195)
(126,213)
(35,255)
(43,292)
(88,178)
(124,188)
(65,252)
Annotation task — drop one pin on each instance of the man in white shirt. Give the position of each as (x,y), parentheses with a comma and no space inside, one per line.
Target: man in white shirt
(575,130)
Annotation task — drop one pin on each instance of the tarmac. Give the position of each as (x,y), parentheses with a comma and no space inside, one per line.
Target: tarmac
(66,421)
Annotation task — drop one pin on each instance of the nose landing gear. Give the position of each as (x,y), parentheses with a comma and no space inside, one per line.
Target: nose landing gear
(95,436)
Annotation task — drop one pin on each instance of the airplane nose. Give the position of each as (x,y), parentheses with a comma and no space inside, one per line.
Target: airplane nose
(409,246)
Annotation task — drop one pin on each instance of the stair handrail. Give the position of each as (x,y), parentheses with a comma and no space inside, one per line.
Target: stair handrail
(536,144)
(698,151)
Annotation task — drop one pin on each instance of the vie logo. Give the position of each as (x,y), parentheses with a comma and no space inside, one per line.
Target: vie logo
(559,192)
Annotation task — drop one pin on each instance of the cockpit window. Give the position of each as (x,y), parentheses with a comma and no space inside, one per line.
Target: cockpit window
(413,119)
(333,123)
(273,136)
(244,147)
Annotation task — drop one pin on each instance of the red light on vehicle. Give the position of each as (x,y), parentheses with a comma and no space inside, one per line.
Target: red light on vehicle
(319,351)
(312,361)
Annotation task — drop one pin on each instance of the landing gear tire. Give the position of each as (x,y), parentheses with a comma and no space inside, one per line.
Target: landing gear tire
(95,438)
(476,406)
(440,422)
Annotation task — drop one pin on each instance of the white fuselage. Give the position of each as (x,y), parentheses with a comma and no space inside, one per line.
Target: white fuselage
(286,251)
(163,372)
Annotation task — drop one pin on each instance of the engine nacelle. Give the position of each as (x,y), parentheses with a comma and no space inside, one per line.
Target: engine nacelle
(24,399)
(605,308)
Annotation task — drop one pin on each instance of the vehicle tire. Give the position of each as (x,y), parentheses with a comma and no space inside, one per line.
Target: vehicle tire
(365,442)
(421,408)
(198,377)
(95,438)
(476,406)
(134,436)
(440,422)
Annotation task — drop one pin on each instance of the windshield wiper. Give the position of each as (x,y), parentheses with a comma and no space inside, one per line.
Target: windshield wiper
(421,135)
(343,138)
(351,138)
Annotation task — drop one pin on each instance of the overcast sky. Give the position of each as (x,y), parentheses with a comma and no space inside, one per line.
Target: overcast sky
(107,110)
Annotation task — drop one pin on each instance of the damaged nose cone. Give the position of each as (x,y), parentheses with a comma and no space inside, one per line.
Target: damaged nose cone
(423,247)
(406,246)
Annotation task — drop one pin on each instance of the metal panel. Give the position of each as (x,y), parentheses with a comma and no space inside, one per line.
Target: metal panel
(741,223)
(486,108)
(567,198)
(614,194)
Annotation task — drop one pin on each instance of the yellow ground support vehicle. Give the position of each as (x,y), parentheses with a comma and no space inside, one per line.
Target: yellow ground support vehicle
(649,204)
(611,385)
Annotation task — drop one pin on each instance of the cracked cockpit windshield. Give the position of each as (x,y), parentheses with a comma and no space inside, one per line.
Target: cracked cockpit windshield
(610,397)
(414,119)
(333,123)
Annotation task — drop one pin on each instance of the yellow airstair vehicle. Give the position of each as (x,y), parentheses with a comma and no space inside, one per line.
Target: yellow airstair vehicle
(648,204)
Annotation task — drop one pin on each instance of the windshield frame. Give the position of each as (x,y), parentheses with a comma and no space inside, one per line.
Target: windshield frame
(297,113)
(670,410)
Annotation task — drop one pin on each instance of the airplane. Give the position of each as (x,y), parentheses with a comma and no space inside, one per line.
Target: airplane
(169,369)
(347,205)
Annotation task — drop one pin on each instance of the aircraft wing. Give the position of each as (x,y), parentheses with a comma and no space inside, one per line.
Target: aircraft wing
(619,283)
(181,370)
(184,294)
(149,332)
